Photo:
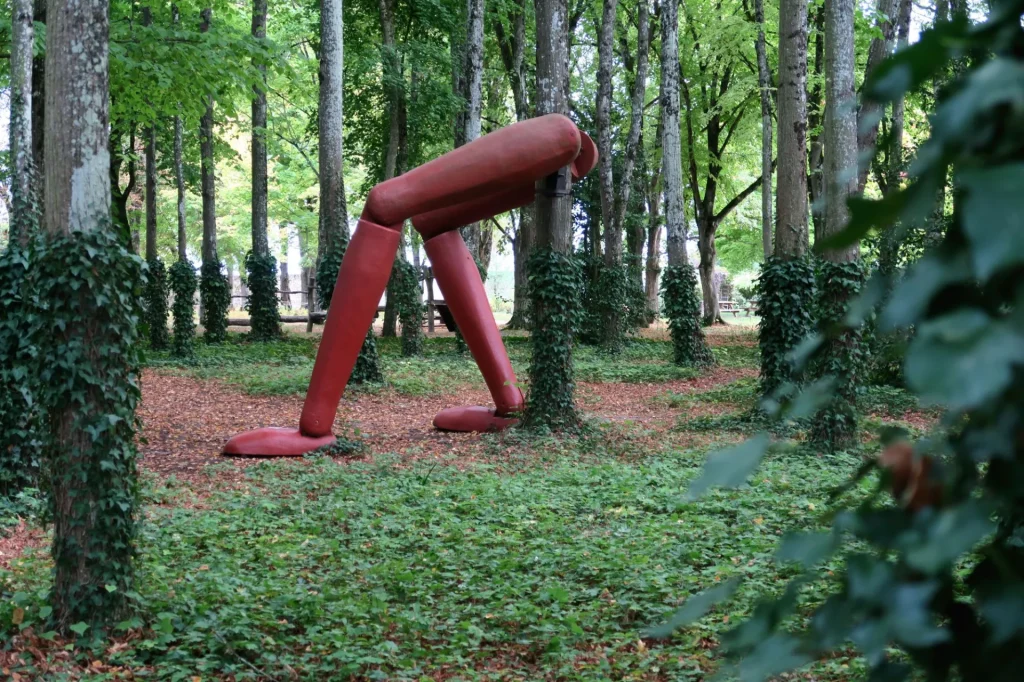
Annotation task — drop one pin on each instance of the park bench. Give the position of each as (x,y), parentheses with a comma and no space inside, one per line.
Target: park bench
(735,309)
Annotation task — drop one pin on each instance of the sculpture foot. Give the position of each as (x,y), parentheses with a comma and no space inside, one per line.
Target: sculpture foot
(274,441)
(472,419)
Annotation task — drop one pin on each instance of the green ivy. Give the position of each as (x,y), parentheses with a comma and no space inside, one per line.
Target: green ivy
(411,310)
(85,291)
(264,315)
(183,286)
(555,283)
(931,588)
(327,274)
(156,304)
(785,304)
(19,413)
(842,357)
(215,297)
(368,368)
(612,305)
(682,308)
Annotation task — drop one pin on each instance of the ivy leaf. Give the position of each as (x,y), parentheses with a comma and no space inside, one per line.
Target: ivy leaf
(963,359)
(777,654)
(925,279)
(695,608)
(1004,612)
(79,628)
(993,217)
(951,533)
(806,549)
(730,468)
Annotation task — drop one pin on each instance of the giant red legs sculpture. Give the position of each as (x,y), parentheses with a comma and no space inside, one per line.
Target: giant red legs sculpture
(491,175)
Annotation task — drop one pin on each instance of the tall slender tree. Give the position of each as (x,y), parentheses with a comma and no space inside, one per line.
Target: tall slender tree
(553,274)
(23,219)
(764,84)
(260,264)
(679,283)
(334,233)
(840,274)
(786,284)
(156,276)
(214,288)
(90,396)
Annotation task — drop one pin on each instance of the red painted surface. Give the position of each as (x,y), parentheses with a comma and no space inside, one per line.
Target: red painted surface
(488,176)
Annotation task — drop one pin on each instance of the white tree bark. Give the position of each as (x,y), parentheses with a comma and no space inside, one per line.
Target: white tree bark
(77,117)
(23,182)
(333,208)
(840,122)
(474,72)
(791,238)
(671,143)
(179,171)
(553,213)
(613,240)
(207,170)
(636,120)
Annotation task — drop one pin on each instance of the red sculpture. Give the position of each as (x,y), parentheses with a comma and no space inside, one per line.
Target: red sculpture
(491,175)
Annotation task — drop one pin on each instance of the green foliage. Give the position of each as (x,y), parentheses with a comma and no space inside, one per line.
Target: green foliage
(612,305)
(327,274)
(931,588)
(183,286)
(156,304)
(85,290)
(214,297)
(411,310)
(554,290)
(368,368)
(549,550)
(843,356)
(785,295)
(19,413)
(264,315)
(682,308)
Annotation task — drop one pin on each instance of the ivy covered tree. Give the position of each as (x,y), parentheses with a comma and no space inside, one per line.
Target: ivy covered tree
(786,283)
(86,332)
(260,265)
(682,306)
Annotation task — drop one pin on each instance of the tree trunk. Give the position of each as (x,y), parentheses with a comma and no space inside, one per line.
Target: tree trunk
(333,208)
(815,120)
(179,182)
(634,145)
(653,266)
(603,107)
(90,426)
(286,282)
(38,113)
(305,273)
(840,122)
(522,247)
(871,112)
(260,244)
(473,70)
(393,86)
(764,84)
(791,238)
(671,144)
(208,171)
(708,253)
(552,394)
(23,184)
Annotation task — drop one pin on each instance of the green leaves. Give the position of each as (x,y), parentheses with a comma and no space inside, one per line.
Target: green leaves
(963,359)
(682,308)
(262,304)
(730,468)
(695,608)
(183,286)
(993,218)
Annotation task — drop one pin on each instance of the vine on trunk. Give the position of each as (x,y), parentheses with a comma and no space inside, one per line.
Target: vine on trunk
(555,282)
(842,357)
(264,315)
(682,308)
(156,304)
(409,300)
(368,366)
(183,286)
(785,304)
(19,412)
(85,317)
(215,295)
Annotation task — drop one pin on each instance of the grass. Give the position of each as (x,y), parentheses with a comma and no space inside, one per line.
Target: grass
(323,571)
(284,367)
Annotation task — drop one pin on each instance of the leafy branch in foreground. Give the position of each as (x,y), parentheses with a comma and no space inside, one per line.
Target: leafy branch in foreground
(939,576)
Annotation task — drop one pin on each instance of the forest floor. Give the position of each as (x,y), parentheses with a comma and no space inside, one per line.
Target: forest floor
(435,556)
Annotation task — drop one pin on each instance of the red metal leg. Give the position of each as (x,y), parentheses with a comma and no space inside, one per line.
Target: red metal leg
(361,281)
(463,290)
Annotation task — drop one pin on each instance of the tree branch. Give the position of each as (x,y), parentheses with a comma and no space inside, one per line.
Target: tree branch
(738,199)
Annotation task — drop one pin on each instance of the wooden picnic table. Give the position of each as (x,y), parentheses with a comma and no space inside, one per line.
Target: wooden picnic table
(731,307)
